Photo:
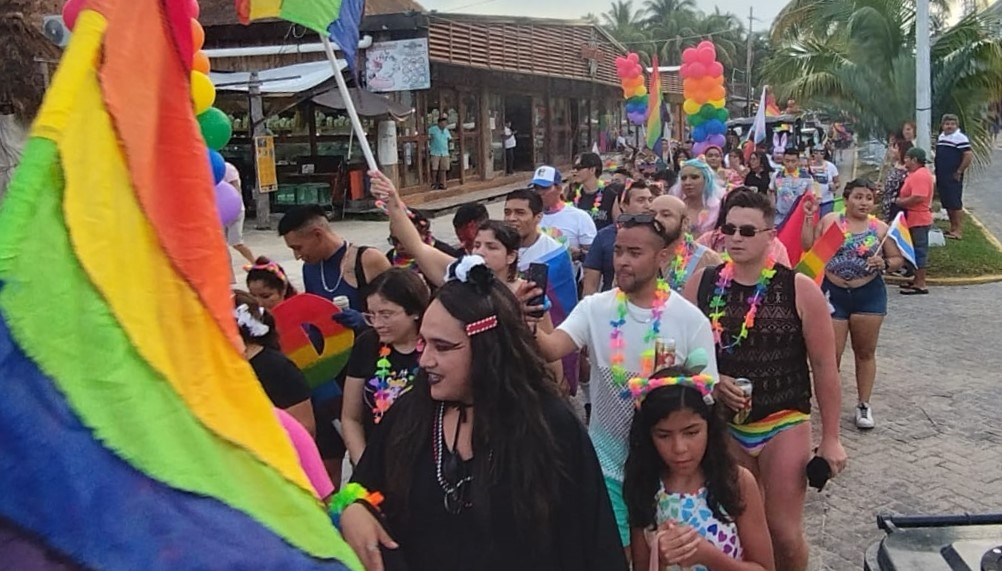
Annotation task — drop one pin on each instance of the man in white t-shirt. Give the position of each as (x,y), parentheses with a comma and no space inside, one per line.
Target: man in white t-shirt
(570,226)
(509,148)
(825,173)
(683,338)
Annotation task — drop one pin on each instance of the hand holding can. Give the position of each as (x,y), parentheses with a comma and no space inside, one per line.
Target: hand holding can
(746,387)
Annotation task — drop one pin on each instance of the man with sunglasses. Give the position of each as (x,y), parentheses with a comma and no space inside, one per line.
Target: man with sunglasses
(642,316)
(687,254)
(588,193)
(773,327)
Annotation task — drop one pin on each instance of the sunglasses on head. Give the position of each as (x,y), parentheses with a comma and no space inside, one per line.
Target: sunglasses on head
(645,219)
(746,230)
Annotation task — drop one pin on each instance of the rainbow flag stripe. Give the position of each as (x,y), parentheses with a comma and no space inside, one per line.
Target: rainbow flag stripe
(654,99)
(902,236)
(813,262)
(134,430)
(316,15)
(755,435)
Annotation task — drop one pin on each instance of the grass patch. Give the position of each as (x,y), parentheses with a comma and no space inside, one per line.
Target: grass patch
(972,256)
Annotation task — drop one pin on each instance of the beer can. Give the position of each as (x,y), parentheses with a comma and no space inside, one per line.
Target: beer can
(746,387)
(664,354)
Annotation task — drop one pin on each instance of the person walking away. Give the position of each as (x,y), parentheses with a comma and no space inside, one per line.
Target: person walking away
(587,191)
(599,271)
(690,504)
(439,137)
(915,199)
(234,231)
(772,326)
(687,254)
(953,156)
(853,283)
(628,331)
(509,148)
(570,226)
(825,174)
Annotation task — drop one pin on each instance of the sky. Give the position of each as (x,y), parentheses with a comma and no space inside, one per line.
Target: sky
(765,10)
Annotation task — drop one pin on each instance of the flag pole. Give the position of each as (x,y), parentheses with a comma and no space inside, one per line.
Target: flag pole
(349,105)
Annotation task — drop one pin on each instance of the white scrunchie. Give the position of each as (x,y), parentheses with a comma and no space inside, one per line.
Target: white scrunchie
(253,325)
(461,267)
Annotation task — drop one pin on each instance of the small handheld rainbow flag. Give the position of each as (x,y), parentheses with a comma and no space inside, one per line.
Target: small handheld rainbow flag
(655,125)
(135,434)
(902,236)
(812,264)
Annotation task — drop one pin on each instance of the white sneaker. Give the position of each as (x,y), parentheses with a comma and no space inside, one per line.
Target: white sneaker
(864,416)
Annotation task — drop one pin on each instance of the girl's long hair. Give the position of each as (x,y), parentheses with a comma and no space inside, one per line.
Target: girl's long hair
(509,238)
(645,468)
(513,444)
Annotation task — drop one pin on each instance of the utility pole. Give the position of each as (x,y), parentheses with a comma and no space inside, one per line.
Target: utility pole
(262,199)
(923,95)
(748,61)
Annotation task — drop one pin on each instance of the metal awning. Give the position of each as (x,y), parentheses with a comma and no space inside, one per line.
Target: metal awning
(287,80)
(367,104)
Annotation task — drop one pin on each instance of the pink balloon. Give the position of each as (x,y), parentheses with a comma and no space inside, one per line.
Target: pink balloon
(697,70)
(70,12)
(633,57)
(715,69)
(193,9)
(707,44)
(228,203)
(706,55)
(689,55)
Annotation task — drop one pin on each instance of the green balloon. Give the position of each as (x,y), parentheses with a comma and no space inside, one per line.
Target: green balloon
(708,111)
(723,115)
(695,120)
(216,128)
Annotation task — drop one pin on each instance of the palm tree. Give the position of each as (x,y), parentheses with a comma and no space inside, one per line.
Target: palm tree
(671,25)
(858,56)
(624,23)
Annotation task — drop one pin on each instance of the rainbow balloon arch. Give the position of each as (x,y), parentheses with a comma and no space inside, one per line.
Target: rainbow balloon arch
(631,78)
(705,96)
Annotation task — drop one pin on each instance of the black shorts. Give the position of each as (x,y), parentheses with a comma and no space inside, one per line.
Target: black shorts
(329,442)
(951,193)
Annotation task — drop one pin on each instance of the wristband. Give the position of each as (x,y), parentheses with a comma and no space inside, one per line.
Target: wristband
(352,492)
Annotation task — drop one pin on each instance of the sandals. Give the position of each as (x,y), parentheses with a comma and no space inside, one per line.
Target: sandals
(952,236)
(906,285)
(912,290)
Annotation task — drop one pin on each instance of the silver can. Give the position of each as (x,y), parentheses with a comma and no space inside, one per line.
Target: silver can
(746,387)
(342,302)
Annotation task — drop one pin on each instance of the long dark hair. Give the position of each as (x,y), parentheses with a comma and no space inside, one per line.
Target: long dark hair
(644,466)
(272,275)
(513,444)
(509,239)
(269,339)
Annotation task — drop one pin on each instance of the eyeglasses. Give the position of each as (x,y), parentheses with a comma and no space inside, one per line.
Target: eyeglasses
(382,316)
(746,230)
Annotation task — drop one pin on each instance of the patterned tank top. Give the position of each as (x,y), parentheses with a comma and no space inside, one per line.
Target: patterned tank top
(849,262)
(774,356)
(694,511)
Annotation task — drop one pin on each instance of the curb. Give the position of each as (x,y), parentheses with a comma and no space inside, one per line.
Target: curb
(964,281)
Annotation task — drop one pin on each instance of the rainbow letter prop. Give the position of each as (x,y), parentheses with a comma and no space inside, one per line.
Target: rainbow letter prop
(133,431)
(703,88)
(631,77)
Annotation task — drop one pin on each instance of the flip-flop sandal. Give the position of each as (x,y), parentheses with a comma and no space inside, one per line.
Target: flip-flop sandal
(907,285)
(914,291)
(952,236)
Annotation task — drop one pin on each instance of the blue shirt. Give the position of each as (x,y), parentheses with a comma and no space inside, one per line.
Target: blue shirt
(600,255)
(438,141)
(950,151)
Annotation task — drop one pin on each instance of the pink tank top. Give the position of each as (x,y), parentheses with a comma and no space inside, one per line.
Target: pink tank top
(309,456)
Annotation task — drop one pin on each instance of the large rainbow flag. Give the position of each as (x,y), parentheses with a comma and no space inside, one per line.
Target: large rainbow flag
(655,123)
(133,433)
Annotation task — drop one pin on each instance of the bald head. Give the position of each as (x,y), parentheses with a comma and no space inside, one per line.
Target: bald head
(671,213)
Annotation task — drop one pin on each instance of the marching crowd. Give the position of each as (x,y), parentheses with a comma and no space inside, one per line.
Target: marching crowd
(662,295)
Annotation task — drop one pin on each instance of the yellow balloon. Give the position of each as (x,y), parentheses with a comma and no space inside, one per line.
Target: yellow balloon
(690,107)
(718,103)
(641,91)
(203,93)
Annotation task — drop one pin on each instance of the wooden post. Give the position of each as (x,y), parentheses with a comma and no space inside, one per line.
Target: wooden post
(262,220)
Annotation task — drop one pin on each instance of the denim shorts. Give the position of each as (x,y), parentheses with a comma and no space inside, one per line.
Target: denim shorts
(867,299)
(920,240)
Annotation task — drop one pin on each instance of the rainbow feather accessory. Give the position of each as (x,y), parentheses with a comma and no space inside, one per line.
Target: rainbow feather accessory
(134,430)
(638,388)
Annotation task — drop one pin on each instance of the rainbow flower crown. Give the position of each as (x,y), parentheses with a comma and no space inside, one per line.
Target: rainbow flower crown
(691,375)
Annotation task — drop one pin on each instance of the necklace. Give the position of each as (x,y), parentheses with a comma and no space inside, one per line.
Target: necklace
(677,272)
(617,344)
(595,206)
(718,305)
(869,240)
(454,499)
(387,386)
(340,274)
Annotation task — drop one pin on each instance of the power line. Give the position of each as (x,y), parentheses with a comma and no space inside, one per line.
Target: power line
(680,38)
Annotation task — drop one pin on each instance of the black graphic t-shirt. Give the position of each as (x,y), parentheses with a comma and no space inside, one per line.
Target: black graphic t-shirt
(382,391)
(603,215)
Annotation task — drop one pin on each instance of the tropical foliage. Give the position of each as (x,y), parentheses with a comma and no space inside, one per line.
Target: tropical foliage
(858,56)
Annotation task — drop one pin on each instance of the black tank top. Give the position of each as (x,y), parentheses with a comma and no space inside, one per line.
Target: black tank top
(774,355)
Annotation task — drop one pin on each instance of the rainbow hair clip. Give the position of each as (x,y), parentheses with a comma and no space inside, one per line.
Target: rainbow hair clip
(638,388)
(269,267)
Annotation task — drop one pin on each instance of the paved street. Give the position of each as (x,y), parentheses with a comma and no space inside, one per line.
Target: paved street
(937,447)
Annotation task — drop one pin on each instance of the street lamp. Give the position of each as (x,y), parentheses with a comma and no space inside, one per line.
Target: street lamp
(923,98)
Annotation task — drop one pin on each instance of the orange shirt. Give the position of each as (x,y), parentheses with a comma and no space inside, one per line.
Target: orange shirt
(918,183)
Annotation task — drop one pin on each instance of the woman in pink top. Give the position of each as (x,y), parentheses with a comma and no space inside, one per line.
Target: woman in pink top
(714,239)
(309,456)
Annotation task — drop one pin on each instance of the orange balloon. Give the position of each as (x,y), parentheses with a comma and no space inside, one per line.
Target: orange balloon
(688,83)
(717,92)
(718,80)
(197,34)
(201,62)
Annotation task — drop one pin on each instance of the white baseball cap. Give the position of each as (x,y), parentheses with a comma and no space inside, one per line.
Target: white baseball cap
(546,176)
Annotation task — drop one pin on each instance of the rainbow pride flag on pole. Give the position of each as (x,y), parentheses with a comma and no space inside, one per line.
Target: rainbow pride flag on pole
(902,236)
(813,262)
(655,126)
(134,433)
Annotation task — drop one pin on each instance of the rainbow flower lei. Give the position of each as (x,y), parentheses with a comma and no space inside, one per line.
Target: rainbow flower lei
(617,344)
(677,271)
(388,388)
(718,305)
(872,231)
(638,388)
(595,206)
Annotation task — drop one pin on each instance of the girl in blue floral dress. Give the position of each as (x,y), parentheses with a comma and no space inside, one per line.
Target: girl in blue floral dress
(691,507)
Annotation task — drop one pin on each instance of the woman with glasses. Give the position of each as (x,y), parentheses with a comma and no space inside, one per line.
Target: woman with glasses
(697,186)
(384,359)
(715,239)
(853,282)
(482,465)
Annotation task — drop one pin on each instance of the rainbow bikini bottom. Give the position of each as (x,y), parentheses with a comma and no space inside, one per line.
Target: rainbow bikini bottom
(755,435)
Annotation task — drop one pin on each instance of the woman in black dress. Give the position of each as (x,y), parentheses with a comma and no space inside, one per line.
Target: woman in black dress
(482,465)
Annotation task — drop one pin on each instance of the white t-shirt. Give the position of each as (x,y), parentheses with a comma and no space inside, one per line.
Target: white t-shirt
(824,174)
(570,226)
(682,324)
(509,138)
(540,251)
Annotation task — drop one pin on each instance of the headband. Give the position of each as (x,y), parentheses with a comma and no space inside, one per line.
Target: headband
(252,324)
(638,388)
(269,267)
